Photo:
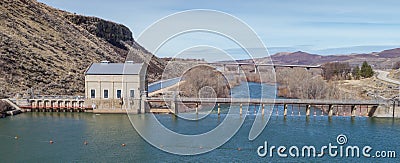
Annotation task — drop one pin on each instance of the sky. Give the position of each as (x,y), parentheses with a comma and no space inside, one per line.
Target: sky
(315,26)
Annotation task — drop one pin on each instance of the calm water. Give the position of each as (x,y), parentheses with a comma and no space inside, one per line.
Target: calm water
(106,132)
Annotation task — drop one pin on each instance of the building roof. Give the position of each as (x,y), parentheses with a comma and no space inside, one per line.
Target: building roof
(106,68)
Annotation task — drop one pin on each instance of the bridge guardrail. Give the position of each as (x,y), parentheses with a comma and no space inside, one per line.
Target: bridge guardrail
(273,101)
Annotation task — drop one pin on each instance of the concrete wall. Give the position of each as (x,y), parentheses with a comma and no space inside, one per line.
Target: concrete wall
(387,111)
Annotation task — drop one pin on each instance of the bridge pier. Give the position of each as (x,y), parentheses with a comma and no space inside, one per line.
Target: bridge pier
(60,105)
(46,105)
(174,104)
(262,109)
(73,106)
(219,110)
(337,110)
(40,104)
(372,111)
(197,106)
(52,102)
(81,104)
(330,110)
(308,110)
(394,108)
(65,105)
(143,99)
(353,110)
(285,102)
(241,109)
(33,105)
(285,106)
(174,107)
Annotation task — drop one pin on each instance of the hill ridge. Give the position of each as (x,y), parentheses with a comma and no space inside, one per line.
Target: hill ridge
(48,50)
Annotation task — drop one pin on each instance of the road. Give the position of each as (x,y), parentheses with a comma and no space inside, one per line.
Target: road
(383,75)
(162,84)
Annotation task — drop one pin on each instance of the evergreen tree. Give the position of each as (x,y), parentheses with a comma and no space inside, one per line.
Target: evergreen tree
(356,73)
(366,70)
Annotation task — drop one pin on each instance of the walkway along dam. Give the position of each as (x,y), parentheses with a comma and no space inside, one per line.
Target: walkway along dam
(380,108)
(331,107)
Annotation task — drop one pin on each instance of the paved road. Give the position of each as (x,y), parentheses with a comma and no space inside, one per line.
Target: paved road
(382,75)
(162,84)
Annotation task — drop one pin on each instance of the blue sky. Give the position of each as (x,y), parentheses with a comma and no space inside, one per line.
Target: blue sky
(316,26)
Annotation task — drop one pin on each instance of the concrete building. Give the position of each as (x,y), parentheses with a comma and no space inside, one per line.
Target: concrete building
(115,87)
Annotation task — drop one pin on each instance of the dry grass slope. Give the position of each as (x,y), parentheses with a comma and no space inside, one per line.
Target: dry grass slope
(45,49)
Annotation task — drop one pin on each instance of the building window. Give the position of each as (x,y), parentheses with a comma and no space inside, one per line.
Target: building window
(118,93)
(132,93)
(92,93)
(105,93)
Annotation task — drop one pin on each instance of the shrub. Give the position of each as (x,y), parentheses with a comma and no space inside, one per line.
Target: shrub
(336,70)
(356,73)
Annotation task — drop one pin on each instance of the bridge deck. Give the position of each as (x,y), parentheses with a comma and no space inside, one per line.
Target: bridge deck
(264,64)
(271,101)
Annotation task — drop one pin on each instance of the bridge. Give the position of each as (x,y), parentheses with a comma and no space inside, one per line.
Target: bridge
(331,107)
(174,105)
(257,65)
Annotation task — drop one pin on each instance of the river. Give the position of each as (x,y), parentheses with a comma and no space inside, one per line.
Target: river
(26,137)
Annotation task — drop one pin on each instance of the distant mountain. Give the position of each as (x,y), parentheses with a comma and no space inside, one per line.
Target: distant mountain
(48,49)
(392,53)
(382,59)
(298,57)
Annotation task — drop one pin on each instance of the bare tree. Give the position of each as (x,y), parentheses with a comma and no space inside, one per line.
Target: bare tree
(298,83)
(336,70)
(205,81)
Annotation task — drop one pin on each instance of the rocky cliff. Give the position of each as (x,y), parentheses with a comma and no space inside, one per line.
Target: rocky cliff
(4,107)
(48,50)
(113,33)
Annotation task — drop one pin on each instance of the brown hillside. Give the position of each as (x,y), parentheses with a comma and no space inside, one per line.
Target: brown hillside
(48,49)
(383,59)
(392,53)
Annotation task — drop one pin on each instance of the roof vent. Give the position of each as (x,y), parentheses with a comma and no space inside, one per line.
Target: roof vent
(130,62)
(105,62)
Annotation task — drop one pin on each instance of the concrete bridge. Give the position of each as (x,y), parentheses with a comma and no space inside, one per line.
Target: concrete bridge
(331,107)
(257,65)
(172,105)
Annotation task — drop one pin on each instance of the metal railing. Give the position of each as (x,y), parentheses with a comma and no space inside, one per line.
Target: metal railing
(59,97)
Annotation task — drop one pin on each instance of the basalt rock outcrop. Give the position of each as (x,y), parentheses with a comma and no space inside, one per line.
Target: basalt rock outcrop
(47,50)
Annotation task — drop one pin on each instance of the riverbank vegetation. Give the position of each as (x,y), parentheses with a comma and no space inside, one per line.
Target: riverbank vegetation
(298,83)
(343,71)
(205,82)
(336,71)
